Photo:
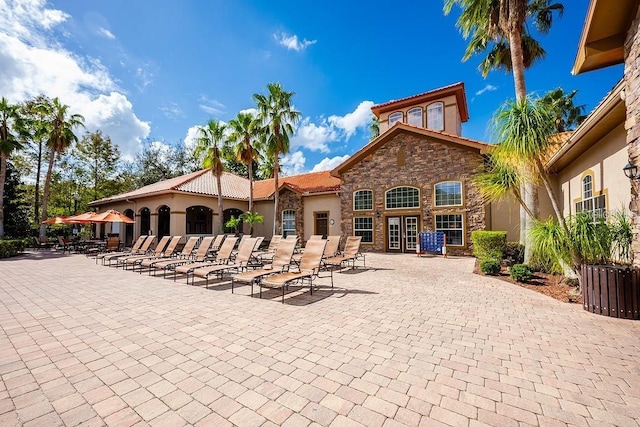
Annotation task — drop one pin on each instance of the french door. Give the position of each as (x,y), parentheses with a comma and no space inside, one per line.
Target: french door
(402,233)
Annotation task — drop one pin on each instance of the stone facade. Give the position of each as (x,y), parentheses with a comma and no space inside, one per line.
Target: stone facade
(291,200)
(632,123)
(414,160)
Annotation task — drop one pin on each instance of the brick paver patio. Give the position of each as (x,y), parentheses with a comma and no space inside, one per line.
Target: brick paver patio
(418,342)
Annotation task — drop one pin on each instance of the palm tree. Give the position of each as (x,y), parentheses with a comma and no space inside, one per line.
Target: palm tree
(251,218)
(245,130)
(9,122)
(60,137)
(278,117)
(566,113)
(374,128)
(208,150)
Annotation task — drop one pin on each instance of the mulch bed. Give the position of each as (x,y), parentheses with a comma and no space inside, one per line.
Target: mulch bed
(551,285)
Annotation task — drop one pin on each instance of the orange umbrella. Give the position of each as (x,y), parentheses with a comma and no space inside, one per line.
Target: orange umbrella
(57,220)
(82,218)
(112,216)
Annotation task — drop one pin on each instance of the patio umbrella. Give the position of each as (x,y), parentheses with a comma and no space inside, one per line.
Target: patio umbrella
(112,216)
(86,217)
(57,220)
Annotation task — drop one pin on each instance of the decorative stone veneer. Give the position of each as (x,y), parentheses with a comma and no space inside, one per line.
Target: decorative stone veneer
(420,162)
(632,123)
(291,200)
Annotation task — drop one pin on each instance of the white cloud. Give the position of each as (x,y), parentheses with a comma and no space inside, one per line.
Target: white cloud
(292,163)
(292,42)
(329,163)
(314,137)
(190,139)
(211,106)
(171,110)
(252,111)
(106,33)
(33,63)
(487,88)
(357,119)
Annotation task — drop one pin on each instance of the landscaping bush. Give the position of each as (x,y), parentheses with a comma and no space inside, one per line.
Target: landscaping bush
(9,248)
(520,272)
(489,244)
(513,253)
(490,267)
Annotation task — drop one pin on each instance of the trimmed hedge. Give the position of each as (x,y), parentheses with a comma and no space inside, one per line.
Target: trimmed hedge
(490,267)
(489,244)
(9,248)
(521,272)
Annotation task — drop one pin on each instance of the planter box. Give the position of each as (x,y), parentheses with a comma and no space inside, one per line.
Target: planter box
(611,290)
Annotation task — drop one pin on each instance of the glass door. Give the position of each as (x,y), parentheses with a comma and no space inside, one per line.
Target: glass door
(410,233)
(393,234)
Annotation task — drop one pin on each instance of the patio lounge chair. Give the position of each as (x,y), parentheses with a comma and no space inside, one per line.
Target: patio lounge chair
(223,257)
(280,264)
(243,258)
(349,255)
(217,243)
(64,244)
(141,246)
(166,253)
(126,260)
(41,243)
(308,269)
(200,255)
(298,256)
(267,255)
(185,254)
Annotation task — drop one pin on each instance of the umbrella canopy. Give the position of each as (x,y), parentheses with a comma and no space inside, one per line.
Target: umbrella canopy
(112,216)
(57,220)
(86,217)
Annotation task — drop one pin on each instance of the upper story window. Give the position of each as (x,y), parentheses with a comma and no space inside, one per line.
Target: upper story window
(596,206)
(395,117)
(435,116)
(402,197)
(363,200)
(587,187)
(448,193)
(414,117)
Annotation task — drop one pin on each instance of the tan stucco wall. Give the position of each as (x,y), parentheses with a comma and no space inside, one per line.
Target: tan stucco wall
(265,209)
(322,203)
(452,123)
(605,161)
(505,216)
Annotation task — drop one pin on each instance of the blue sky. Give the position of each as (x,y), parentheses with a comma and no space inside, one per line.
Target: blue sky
(145,70)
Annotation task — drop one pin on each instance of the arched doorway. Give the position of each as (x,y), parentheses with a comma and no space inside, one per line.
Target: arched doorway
(128,229)
(228,213)
(145,221)
(164,221)
(199,220)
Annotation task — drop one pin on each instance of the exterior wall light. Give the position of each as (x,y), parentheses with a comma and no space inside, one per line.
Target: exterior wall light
(631,171)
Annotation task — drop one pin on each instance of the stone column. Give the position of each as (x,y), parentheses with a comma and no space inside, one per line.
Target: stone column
(632,122)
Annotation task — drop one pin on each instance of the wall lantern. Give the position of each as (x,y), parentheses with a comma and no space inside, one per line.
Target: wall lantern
(631,171)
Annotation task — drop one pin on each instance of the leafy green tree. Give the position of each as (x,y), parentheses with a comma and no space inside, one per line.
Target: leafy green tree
(9,141)
(278,118)
(97,161)
(212,136)
(60,137)
(245,132)
(156,162)
(566,114)
(16,208)
(374,128)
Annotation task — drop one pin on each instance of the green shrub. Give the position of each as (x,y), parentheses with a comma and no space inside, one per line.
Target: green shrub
(513,253)
(9,248)
(489,244)
(520,272)
(490,267)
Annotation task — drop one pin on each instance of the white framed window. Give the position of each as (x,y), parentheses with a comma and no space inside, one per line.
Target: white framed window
(395,117)
(435,116)
(363,226)
(402,198)
(448,193)
(595,205)
(453,226)
(288,222)
(363,200)
(414,117)
(587,187)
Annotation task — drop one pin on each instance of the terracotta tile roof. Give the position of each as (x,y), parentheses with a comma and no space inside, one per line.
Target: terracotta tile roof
(314,182)
(200,182)
(556,141)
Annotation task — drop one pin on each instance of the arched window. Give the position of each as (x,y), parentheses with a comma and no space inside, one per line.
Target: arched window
(199,220)
(164,221)
(448,193)
(145,221)
(402,197)
(226,216)
(395,117)
(288,222)
(414,117)
(363,200)
(435,116)
(587,187)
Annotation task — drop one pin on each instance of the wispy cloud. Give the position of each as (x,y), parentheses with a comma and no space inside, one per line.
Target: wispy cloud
(106,33)
(487,88)
(171,111)
(211,106)
(292,42)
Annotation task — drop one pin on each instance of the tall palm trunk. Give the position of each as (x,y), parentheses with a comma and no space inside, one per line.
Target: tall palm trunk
(45,196)
(220,209)
(250,165)
(276,172)
(36,204)
(3,177)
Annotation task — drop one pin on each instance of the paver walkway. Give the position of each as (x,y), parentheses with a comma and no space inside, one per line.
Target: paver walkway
(413,342)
